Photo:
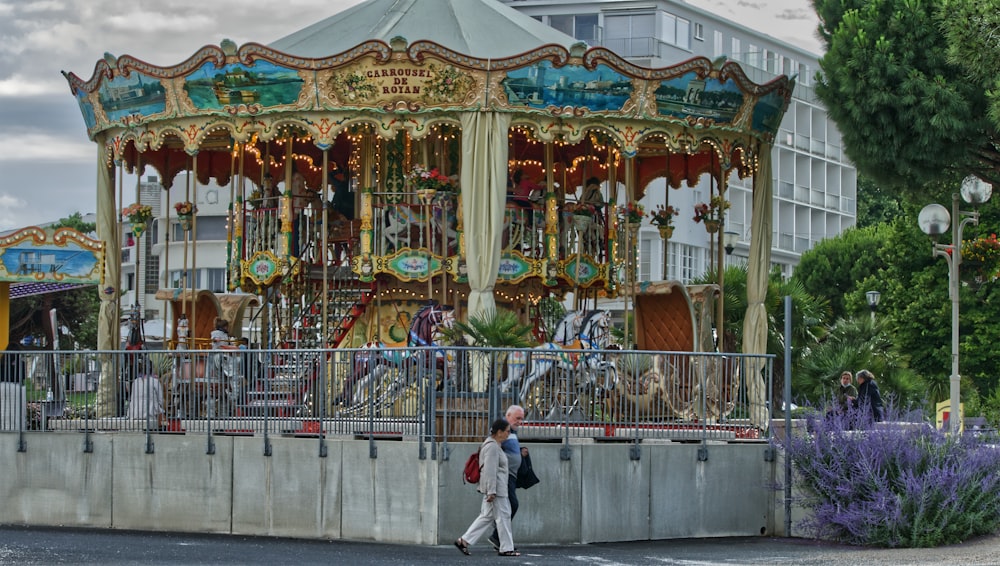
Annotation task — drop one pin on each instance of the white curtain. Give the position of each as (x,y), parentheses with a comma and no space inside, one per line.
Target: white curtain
(484,192)
(755,322)
(108,334)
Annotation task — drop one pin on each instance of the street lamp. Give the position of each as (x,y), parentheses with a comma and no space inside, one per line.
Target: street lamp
(729,239)
(873,298)
(934,220)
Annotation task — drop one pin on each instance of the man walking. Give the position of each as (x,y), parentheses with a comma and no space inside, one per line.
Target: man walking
(514,452)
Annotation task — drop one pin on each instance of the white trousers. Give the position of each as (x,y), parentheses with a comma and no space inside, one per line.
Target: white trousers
(497,512)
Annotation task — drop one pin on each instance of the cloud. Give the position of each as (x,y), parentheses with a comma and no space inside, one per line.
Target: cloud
(10,207)
(43,148)
(20,85)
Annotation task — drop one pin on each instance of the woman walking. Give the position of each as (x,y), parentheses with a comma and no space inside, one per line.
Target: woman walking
(493,485)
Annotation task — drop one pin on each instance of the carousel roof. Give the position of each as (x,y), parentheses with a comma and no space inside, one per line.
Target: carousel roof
(480,28)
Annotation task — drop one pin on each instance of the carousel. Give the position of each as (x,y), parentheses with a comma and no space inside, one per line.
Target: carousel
(382,170)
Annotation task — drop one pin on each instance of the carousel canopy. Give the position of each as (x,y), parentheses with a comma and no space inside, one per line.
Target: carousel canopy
(480,28)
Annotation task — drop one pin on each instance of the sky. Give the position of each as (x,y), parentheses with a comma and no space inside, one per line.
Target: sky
(48,166)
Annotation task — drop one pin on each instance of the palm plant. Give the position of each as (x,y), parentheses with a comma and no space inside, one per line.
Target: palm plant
(492,328)
(853,344)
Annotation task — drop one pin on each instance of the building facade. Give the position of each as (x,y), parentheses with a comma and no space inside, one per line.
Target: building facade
(814,184)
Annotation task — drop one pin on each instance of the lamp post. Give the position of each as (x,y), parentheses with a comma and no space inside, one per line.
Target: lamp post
(873,298)
(934,220)
(729,239)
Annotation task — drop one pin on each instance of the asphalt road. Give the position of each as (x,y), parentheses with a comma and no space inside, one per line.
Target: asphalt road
(35,545)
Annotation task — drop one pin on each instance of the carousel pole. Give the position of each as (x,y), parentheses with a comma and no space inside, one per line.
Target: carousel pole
(324,249)
(720,314)
(631,245)
(666,203)
(186,282)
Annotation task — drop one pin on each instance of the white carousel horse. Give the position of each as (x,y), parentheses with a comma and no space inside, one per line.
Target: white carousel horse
(576,355)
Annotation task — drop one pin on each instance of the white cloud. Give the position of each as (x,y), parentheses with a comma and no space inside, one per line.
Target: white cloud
(30,146)
(10,207)
(19,85)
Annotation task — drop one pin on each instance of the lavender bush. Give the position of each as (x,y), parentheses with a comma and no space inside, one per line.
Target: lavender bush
(895,486)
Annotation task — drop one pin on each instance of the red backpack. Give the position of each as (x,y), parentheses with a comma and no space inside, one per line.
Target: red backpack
(470,474)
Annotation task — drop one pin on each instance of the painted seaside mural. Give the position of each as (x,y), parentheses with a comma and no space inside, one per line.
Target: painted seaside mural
(691,96)
(768,111)
(541,85)
(135,94)
(263,83)
(87,109)
(62,255)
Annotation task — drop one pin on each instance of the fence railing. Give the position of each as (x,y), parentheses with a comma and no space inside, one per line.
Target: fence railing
(431,394)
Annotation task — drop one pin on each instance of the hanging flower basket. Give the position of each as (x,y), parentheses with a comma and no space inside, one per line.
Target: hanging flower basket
(711,213)
(665,231)
(185,212)
(632,213)
(138,216)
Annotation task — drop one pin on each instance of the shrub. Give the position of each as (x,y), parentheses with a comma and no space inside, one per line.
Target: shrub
(894,486)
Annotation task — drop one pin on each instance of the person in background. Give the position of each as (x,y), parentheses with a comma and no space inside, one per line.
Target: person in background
(146,399)
(592,193)
(514,452)
(342,200)
(846,393)
(493,485)
(869,398)
(220,336)
(521,189)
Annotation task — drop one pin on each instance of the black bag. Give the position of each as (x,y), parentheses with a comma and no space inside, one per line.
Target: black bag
(526,474)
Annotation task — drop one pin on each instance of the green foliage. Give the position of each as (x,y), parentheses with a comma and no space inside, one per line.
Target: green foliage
(971,29)
(908,116)
(875,204)
(76,222)
(494,328)
(835,266)
(853,344)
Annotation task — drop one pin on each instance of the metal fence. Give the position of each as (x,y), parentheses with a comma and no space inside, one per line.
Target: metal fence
(431,395)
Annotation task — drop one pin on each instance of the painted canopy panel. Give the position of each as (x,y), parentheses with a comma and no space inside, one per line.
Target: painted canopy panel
(262,83)
(540,85)
(251,86)
(691,95)
(39,255)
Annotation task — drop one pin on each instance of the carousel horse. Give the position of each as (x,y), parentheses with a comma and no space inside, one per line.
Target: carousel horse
(386,371)
(575,352)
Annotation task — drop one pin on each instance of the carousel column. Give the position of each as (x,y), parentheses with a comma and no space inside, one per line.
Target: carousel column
(720,318)
(109,231)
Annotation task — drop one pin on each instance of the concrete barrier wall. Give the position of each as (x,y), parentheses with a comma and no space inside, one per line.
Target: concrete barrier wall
(598,494)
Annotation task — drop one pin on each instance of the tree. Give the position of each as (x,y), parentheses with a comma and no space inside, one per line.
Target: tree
(907,115)
(835,266)
(972,30)
(875,204)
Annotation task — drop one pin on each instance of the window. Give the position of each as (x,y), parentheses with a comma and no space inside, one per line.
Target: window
(676,30)
(217,280)
(699,32)
(583,27)
(645,259)
(630,36)
(152,272)
(177,279)
(130,282)
(718,44)
(209,228)
(736,51)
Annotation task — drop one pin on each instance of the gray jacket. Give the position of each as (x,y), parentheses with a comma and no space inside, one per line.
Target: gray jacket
(493,469)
